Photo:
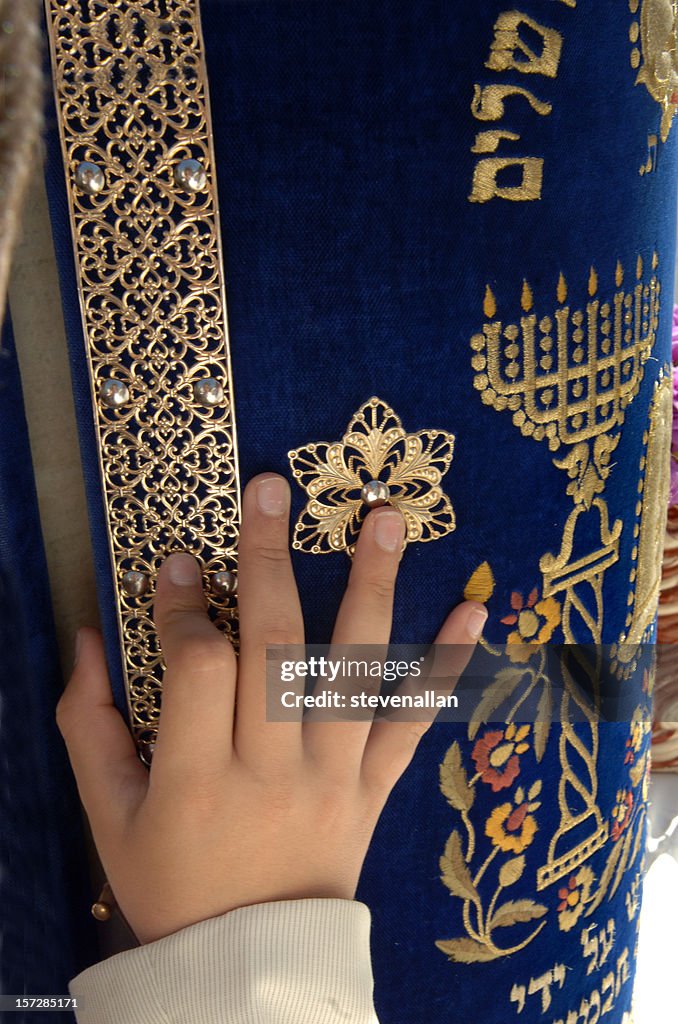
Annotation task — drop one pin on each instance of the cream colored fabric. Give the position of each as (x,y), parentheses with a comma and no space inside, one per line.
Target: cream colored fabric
(288,962)
(39,334)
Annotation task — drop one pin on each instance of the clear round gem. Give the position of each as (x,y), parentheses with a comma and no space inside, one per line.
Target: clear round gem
(135,583)
(89,178)
(191,175)
(114,393)
(225,582)
(208,391)
(375,493)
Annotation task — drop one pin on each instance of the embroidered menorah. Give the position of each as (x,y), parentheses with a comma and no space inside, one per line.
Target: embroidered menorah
(568,378)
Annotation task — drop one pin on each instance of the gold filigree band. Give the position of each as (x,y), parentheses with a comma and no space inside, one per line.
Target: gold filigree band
(133,108)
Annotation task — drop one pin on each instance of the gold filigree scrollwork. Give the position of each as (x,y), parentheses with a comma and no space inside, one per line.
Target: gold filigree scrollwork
(132,100)
(374,451)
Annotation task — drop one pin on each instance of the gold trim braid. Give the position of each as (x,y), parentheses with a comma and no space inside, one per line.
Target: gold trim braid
(132,98)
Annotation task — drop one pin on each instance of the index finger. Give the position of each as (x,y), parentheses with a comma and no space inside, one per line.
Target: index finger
(196,720)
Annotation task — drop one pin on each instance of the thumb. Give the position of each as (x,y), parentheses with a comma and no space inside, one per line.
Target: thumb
(111,779)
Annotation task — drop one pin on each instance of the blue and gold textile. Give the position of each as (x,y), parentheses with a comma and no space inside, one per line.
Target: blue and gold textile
(446,233)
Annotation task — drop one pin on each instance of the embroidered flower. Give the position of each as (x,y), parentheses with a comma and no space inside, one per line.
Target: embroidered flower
(621,812)
(510,826)
(536,623)
(375,462)
(573,897)
(496,755)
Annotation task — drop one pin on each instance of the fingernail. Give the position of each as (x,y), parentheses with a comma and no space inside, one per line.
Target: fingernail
(183,569)
(78,645)
(389,530)
(475,622)
(273,495)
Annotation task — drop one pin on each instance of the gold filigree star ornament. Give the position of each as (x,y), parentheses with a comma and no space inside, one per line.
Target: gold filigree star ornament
(375,463)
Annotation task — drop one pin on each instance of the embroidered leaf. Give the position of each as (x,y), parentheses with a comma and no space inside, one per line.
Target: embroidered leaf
(604,880)
(516,601)
(454,781)
(466,951)
(505,682)
(639,836)
(542,725)
(480,586)
(637,771)
(511,871)
(534,790)
(517,911)
(455,874)
(621,867)
(532,599)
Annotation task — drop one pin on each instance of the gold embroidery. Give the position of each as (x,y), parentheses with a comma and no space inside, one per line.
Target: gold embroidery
(486,173)
(591,1009)
(591,371)
(628,818)
(488,103)
(488,142)
(650,165)
(573,390)
(601,951)
(632,898)
(148,258)
(569,376)
(480,586)
(516,178)
(563,573)
(655,39)
(480,921)
(597,944)
(655,477)
(601,1000)
(375,447)
(539,986)
(565,853)
(510,52)
(497,758)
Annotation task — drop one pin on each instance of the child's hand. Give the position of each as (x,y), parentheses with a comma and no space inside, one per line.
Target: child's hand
(236,810)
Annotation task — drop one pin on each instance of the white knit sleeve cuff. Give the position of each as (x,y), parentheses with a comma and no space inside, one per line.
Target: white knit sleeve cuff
(285,962)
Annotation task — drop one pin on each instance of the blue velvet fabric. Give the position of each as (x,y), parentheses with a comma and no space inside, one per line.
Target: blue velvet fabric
(356,265)
(46,932)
